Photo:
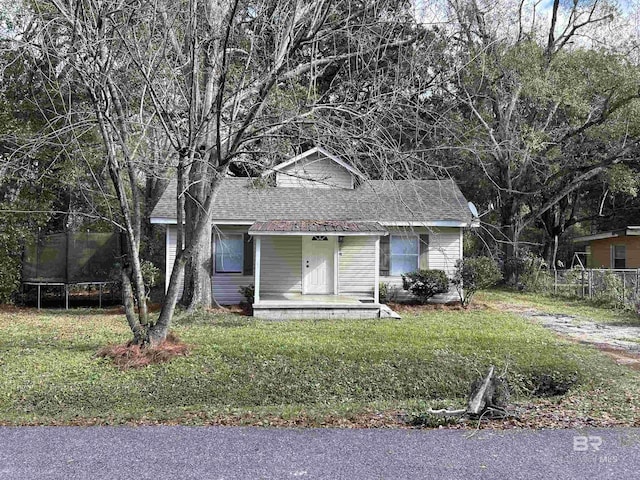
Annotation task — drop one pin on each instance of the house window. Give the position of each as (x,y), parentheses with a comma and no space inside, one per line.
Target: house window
(319,238)
(404,254)
(229,254)
(619,256)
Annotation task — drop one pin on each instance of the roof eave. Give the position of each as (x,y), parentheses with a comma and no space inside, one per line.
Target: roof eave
(395,223)
(314,234)
(596,236)
(430,223)
(163,221)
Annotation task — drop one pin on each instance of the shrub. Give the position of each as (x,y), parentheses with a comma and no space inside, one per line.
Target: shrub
(609,289)
(9,276)
(535,276)
(151,275)
(513,268)
(248,293)
(473,274)
(383,292)
(425,284)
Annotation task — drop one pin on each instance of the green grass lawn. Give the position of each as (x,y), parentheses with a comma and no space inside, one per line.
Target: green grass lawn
(241,370)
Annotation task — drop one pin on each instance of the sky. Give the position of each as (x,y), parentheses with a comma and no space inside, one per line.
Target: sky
(621,33)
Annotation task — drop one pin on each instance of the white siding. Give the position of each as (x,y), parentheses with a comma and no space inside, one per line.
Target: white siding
(445,248)
(226,285)
(170,256)
(281,264)
(357,265)
(314,172)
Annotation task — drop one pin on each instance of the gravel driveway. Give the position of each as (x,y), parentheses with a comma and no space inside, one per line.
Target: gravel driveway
(621,341)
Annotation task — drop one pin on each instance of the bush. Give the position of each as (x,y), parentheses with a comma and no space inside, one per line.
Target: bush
(535,276)
(151,275)
(513,267)
(425,284)
(609,289)
(473,274)
(248,293)
(383,292)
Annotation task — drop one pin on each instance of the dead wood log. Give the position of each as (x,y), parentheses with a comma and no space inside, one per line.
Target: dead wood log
(486,398)
(482,394)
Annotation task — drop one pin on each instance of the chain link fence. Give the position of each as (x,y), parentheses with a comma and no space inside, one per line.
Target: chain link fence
(618,287)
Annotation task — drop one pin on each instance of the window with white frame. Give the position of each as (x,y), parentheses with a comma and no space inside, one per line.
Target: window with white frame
(404,253)
(229,253)
(618,256)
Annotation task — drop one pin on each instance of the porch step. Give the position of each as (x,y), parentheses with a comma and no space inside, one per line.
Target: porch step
(298,311)
(386,312)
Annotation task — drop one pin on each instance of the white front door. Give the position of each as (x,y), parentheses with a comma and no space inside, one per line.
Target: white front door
(317,264)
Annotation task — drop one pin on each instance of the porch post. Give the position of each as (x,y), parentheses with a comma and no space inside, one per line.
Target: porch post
(376,277)
(256,280)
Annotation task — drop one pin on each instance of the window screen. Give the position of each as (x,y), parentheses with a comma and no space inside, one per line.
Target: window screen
(229,254)
(404,254)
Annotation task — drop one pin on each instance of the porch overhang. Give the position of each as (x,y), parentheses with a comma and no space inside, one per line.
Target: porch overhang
(319,264)
(341,228)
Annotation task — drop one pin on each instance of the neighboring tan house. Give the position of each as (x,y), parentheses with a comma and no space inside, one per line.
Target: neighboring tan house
(319,243)
(615,249)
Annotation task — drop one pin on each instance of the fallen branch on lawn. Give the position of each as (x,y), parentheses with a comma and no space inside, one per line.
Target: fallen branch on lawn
(487,399)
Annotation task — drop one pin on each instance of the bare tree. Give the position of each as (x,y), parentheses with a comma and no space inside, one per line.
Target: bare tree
(217,79)
(541,116)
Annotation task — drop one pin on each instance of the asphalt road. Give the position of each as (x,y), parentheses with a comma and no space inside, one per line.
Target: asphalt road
(159,453)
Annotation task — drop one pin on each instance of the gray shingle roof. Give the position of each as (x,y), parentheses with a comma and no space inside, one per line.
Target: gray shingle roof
(317,226)
(374,200)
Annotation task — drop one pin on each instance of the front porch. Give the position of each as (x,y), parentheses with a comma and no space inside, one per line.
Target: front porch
(295,305)
(316,269)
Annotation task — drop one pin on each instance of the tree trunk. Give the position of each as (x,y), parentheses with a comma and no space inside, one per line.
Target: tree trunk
(198,273)
(197,288)
(139,330)
(510,247)
(159,331)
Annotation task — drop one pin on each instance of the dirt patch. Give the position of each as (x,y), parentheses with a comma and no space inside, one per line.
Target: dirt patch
(622,357)
(6,308)
(243,309)
(417,309)
(135,356)
(510,307)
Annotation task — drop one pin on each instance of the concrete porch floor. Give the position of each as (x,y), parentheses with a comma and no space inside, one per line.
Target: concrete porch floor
(285,306)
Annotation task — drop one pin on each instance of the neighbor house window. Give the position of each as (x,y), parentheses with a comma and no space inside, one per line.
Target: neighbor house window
(229,254)
(405,252)
(619,256)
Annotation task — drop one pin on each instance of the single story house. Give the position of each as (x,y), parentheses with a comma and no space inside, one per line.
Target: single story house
(317,238)
(616,249)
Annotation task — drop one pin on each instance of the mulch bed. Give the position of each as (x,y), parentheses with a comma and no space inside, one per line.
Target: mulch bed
(130,355)
(417,309)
